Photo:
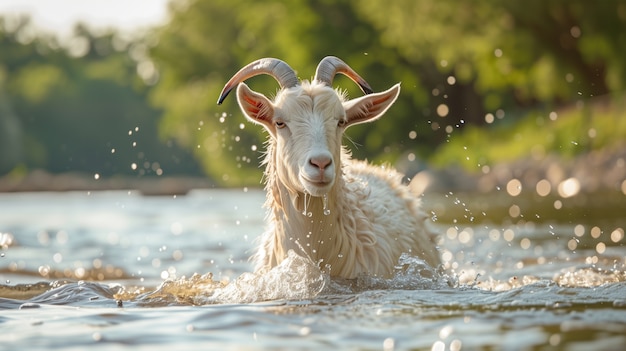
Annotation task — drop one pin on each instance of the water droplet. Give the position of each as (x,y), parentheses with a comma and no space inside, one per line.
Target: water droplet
(325,203)
(442,110)
(306,200)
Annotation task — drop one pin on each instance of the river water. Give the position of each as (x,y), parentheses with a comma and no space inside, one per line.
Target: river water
(118,270)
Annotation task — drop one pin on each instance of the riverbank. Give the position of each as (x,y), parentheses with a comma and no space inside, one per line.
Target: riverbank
(40,180)
(596,170)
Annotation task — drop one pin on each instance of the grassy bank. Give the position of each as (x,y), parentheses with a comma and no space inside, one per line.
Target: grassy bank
(594,124)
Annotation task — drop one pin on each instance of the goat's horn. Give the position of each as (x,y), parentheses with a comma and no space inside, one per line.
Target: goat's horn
(331,65)
(276,68)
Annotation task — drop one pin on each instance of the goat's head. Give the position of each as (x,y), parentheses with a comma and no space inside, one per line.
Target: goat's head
(307,120)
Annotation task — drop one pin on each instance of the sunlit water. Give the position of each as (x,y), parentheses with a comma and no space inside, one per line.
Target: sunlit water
(116,270)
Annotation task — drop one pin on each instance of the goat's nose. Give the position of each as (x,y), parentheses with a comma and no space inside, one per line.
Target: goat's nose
(321,161)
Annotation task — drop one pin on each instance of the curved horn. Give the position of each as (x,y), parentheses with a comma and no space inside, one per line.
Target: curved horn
(331,65)
(276,68)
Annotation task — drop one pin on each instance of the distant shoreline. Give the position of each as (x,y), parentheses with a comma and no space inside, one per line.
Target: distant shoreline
(597,170)
(40,180)
(594,171)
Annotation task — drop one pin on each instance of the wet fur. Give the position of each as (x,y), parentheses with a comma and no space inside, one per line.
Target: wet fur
(373,219)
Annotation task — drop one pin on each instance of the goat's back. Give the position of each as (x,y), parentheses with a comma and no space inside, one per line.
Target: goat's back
(394,212)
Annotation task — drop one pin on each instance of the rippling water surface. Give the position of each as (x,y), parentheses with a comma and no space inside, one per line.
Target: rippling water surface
(117,270)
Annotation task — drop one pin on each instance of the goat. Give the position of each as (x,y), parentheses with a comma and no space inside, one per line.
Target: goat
(347,215)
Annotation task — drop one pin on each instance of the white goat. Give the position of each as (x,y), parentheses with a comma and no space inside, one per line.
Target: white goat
(349,216)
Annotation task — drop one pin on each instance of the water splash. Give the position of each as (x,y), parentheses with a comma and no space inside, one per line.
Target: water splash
(307,200)
(411,272)
(325,203)
(295,278)
(181,291)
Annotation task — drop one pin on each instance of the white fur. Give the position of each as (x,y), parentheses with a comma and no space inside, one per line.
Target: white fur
(373,217)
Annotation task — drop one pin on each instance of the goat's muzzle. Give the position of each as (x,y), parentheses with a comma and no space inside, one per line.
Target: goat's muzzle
(318,174)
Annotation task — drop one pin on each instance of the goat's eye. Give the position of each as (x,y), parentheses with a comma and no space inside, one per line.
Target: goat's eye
(342,123)
(280,124)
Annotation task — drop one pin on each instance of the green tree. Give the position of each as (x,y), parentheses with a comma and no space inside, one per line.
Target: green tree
(457,61)
(207,41)
(80,106)
(512,52)
(10,132)
(515,57)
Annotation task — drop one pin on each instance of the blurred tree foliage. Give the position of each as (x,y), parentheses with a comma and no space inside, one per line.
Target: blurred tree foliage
(75,106)
(78,107)
(208,41)
(512,51)
(457,61)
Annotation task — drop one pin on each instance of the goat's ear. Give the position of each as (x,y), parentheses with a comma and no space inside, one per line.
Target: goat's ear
(370,107)
(257,108)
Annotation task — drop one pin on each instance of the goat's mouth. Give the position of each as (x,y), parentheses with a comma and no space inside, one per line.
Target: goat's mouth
(316,187)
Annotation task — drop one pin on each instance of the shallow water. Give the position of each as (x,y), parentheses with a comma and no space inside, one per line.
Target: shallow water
(116,270)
